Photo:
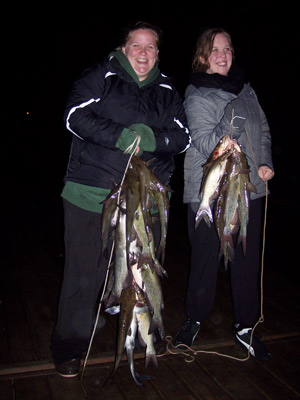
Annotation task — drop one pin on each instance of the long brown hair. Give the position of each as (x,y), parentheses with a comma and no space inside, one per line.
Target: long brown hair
(204,48)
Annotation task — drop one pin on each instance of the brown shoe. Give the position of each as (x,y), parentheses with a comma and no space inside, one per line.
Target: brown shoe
(68,369)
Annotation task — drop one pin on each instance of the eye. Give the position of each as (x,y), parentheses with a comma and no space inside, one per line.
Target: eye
(151,47)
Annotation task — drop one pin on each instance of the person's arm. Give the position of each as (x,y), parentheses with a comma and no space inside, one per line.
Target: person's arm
(82,116)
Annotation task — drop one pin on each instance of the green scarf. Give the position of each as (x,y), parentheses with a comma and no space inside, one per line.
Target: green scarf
(123,60)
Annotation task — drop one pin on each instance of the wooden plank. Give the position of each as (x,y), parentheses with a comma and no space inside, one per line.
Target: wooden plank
(17,334)
(129,389)
(196,379)
(170,387)
(4,356)
(93,381)
(229,377)
(273,385)
(6,390)
(65,388)
(32,388)
(287,349)
(38,313)
(283,372)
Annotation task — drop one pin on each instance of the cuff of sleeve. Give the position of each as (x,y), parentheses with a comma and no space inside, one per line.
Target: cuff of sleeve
(126,139)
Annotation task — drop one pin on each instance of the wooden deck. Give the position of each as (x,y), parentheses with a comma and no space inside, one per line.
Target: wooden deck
(30,282)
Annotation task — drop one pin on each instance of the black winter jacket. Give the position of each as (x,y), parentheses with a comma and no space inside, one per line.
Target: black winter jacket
(103,102)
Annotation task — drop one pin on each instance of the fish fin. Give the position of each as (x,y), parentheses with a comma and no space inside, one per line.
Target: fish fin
(155,324)
(112,300)
(160,270)
(145,259)
(251,187)
(244,171)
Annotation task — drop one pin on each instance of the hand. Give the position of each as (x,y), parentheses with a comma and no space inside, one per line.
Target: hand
(129,135)
(265,173)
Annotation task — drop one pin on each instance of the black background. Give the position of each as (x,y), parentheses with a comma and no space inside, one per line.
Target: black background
(48,48)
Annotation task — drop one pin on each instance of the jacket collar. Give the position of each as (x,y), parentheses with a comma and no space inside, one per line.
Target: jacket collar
(125,64)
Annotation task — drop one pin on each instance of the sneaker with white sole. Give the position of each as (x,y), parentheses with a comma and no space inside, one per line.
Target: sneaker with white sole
(257,348)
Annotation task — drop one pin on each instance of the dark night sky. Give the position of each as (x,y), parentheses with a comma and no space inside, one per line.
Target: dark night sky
(55,46)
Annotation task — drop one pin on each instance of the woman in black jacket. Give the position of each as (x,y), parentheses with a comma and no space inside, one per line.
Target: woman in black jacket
(108,106)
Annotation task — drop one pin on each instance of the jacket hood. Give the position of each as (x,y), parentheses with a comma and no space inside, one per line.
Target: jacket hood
(123,61)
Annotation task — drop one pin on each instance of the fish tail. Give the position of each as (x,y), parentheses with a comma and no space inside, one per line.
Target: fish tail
(228,253)
(242,239)
(204,213)
(151,357)
(135,375)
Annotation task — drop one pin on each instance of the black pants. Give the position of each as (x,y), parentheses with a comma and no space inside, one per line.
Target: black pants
(82,282)
(244,270)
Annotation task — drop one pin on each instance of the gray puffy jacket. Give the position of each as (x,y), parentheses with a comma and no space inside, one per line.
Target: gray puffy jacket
(208,121)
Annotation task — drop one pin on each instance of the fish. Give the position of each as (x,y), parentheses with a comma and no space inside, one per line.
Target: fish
(243,206)
(236,209)
(147,251)
(144,182)
(133,321)
(131,187)
(210,187)
(143,239)
(160,196)
(149,184)
(109,218)
(229,185)
(134,289)
(122,273)
(149,282)
(220,148)
(231,220)
(146,339)
(127,322)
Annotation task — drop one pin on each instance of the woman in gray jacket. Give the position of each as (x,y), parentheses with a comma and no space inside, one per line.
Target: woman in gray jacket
(218,102)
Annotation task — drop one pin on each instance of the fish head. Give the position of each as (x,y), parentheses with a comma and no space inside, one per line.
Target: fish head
(220,147)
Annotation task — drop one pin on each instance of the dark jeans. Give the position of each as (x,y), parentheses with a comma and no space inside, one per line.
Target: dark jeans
(82,282)
(244,270)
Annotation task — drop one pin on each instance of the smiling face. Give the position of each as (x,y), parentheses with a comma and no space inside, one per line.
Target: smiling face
(142,52)
(220,59)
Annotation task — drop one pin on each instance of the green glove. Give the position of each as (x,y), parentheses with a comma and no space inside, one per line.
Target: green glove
(128,135)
